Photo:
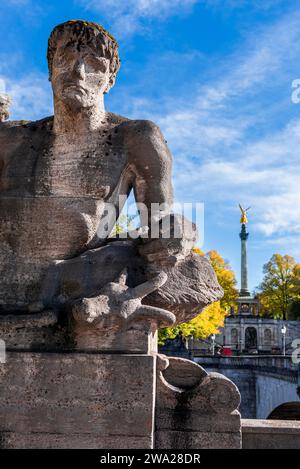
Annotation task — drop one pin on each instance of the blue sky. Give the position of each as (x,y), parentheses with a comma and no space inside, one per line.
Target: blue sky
(216,76)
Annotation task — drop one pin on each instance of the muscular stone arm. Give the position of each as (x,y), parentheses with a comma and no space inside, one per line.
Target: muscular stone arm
(151,163)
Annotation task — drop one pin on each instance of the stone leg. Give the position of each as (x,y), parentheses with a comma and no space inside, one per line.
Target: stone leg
(191,282)
(85,275)
(195,409)
(77,400)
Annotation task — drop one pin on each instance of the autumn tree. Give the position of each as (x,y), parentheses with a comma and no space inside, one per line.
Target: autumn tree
(279,291)
(212,317)
(226,278)
(205,324)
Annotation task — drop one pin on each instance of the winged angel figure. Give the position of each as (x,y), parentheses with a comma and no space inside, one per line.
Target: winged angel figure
(244,218)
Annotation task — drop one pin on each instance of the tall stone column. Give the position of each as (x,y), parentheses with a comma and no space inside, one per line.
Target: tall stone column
(244,263)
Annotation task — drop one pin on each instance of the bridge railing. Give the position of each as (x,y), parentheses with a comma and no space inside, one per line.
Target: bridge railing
(270,434)
(257,361)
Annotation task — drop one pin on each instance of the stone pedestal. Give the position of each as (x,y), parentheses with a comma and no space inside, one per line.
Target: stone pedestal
(195,409)
(124,396)
(77,400)
(108,401)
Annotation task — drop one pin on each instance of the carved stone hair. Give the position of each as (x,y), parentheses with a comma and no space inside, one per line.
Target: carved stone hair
(79,32)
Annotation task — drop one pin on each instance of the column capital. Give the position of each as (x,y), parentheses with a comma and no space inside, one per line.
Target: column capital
(244,234)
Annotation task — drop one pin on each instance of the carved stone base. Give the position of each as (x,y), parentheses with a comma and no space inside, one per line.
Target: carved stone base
(195,409)
(107,401)
(50,332)
(52,400)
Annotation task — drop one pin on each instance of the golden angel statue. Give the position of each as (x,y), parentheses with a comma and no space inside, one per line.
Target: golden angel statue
(244,218)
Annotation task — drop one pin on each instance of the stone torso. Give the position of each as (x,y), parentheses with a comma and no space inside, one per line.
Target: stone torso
(52,195)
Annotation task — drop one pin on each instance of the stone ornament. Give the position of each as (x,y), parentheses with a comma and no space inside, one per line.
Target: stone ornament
(118,310)
(195,409)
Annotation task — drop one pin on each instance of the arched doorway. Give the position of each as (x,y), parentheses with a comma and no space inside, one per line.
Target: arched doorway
(267,337)
(286,411)
(234,336)
(251,338)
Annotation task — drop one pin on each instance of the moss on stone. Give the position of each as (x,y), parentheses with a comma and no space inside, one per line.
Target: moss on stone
(92,25)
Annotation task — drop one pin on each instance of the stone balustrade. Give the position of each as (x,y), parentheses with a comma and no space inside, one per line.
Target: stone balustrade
(270,434)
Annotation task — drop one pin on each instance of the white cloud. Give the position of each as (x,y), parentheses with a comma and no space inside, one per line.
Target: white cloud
(236,137)
(127,17)
(264,173)
(31,96)
(30,11)
(289,244)
(238,4)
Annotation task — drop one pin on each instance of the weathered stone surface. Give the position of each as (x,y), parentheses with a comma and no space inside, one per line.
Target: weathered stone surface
(198,422)
(114,321)
(41,331)
(270,434)
(197,440)
(55,220)
(191,286)
(195,409)
(84,276)
(116,316)
(82,400)
(10,440)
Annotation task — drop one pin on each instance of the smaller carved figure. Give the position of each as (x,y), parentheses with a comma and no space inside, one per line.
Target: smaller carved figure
(117,308)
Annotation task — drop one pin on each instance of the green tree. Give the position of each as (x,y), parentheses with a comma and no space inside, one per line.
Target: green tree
(280,287)
(123,225)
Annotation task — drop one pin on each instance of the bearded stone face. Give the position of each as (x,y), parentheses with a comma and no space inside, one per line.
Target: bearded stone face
(79,74)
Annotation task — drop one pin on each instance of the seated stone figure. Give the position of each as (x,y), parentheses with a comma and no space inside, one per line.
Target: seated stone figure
(58,174)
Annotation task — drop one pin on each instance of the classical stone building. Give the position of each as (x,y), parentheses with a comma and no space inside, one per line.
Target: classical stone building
(254,334)
(249,335)
(247,332)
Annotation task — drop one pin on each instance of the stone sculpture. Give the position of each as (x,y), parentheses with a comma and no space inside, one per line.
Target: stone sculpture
(57,174)
(65,284)
(4,107)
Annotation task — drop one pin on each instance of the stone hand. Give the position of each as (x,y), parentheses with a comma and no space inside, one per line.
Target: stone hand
(177,236)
